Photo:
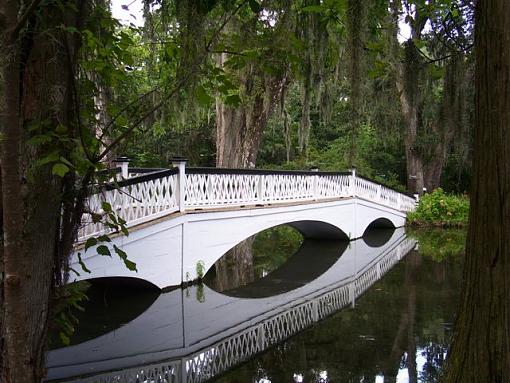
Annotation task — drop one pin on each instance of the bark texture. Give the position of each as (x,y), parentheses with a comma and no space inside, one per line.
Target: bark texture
(239,129)
(37,60)
(480,351)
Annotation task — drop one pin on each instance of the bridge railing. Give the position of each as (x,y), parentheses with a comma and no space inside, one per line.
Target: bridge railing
(135,200)
(212,188)
(152,193)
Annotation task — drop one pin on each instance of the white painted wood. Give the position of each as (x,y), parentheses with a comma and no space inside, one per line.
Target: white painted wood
(168,250)
(147,200)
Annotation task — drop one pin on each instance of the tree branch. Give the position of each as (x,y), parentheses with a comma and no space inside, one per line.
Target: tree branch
(178,86)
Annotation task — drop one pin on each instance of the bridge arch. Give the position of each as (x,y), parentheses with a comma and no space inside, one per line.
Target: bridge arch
(135,281)
(387,222)
(309,228)
(312,259)
(170,251)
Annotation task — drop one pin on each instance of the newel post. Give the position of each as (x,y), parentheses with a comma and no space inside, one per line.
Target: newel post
(180,163)
(123,164)
(352,182)
(315,190)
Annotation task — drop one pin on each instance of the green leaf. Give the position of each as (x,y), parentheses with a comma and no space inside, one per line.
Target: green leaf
(202,97)
(61,129)
(103,238)
(66,161)
(64,339)
(106,207)
(60,169)
(120,252)
(90,242)
(52,157)
(103,250)
(124,230)
(255,6)
(82,264)
(233,100)
(130,265)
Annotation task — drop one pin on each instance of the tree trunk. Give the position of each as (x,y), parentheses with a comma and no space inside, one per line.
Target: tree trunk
(409,107)
(239,129)
(37,99)
(235,268)
(406,81)
(451,117)
(480,350)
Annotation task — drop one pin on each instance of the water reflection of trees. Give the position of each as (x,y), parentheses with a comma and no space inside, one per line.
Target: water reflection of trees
(403,318)
(254,257)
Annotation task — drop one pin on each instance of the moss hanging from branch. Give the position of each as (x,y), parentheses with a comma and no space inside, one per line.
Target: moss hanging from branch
(312,31)
(356,39)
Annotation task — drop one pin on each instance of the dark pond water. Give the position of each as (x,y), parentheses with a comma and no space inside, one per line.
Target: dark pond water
(278,308)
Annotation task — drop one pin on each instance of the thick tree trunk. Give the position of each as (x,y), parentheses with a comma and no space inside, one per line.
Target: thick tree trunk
(451,116)
(235,268)
(480,351)
(409,107)
(406,81)
(239,129)
(238,138)
(37,99)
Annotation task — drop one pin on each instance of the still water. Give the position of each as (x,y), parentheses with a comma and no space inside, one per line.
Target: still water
(280,309)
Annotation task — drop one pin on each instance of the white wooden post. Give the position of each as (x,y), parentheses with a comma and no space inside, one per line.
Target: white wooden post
(260,189)
(261,341)
(352,182)
(315,190)
(123,164)
(180,162)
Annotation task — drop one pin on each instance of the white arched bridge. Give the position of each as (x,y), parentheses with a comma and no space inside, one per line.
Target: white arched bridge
(182,220)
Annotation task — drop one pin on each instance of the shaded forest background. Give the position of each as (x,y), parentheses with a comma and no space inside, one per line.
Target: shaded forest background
(228,83)
(294,85)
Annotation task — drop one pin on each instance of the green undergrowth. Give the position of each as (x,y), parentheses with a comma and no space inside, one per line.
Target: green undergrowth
(439,209)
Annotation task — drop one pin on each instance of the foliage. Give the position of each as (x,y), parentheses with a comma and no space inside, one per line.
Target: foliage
(199,269)
(69,300)
(440,209)
(273,247)
(440,244)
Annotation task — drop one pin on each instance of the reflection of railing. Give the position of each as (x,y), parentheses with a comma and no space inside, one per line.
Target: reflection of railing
(147,194)
(225,354)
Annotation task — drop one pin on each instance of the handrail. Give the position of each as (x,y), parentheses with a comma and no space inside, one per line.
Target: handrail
(153,193)
(200,170)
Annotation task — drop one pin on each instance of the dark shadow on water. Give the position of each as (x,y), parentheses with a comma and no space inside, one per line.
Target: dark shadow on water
(112,302)
(319,230)
(313,258)
(377,237)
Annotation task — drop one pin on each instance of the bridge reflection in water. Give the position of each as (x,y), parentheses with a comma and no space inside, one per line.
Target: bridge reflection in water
(180,338)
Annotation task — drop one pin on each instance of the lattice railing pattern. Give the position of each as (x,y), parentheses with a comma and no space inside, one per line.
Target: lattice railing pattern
(214,190)
(168,372)
(225,354)
(150,195)
(135,203)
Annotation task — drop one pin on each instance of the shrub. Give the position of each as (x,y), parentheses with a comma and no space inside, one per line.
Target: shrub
(440,209)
